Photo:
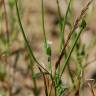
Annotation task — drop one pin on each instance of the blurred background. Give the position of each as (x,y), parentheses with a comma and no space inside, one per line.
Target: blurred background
(15,77)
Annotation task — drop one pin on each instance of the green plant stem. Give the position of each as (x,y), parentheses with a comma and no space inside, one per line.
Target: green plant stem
(64,24)
(44,34)
(43,25)
(26,41)
(58,7)
(60,20)
(6,22)
(70,34)
(74,44)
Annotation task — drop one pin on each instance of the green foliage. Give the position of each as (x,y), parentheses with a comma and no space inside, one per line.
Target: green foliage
(73,49)
(61,88)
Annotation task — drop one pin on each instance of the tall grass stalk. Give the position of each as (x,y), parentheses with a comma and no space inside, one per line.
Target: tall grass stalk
(64,24)
(25,38)
(43,25)
(46,45)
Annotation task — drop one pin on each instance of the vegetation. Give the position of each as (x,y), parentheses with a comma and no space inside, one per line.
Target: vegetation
(71,51)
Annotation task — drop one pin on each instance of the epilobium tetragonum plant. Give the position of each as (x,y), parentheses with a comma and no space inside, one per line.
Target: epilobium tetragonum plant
(69,49)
